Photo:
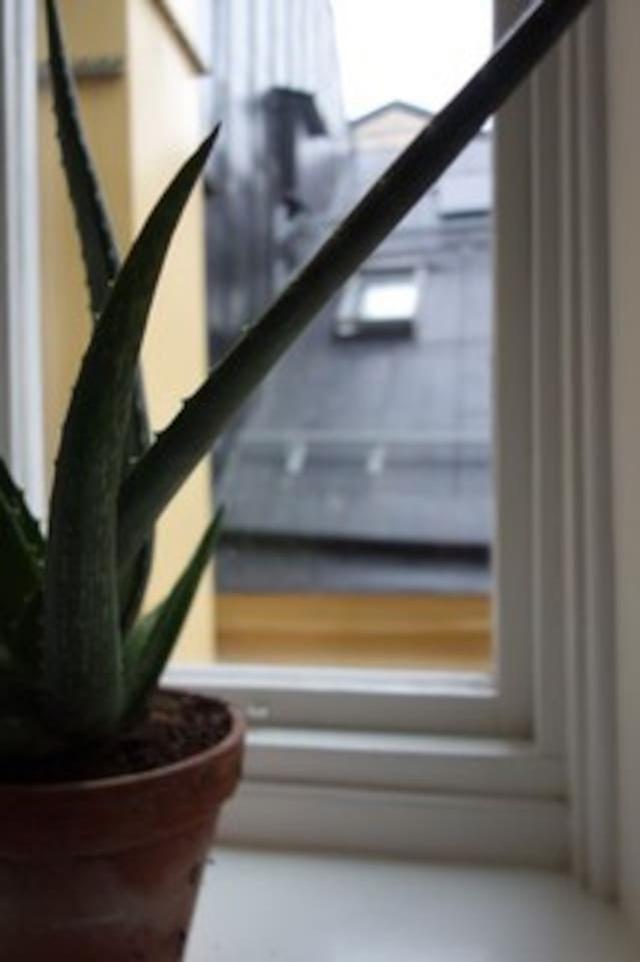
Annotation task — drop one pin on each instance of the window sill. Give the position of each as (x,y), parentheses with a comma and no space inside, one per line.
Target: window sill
(333,907)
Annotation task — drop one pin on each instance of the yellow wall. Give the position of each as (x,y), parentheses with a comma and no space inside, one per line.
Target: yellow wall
(141,126)
(93,29)
(164,127)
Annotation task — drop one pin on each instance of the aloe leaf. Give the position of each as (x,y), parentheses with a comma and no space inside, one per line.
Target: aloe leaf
(132,584)
(22,551)
(92,221)
(167,464)
(15,497)
(101,261)
(151,642)
(82,678)
(26,640)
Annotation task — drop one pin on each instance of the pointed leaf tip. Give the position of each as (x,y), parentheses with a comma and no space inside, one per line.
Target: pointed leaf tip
(101,263)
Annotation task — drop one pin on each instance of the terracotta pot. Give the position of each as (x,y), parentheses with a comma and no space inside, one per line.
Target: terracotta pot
(109,870)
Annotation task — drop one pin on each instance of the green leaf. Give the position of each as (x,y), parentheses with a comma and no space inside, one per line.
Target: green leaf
(151,642)
(26,643)
(15,498)
(101,262)
(132,584)
(92,220)
(82,678)
(22,552)
(189,437)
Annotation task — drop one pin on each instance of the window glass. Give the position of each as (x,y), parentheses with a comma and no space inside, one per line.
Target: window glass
(361,473)
(379,302)
(388,296)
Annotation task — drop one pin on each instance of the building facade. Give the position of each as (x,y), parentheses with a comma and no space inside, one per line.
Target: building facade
(276,93)
(372,439)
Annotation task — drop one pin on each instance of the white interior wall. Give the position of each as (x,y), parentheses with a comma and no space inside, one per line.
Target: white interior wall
(624,183)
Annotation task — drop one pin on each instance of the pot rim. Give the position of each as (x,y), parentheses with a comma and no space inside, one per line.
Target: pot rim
(230,741)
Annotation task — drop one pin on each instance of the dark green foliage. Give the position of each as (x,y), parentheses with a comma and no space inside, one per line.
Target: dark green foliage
(92,221)
(22,552)
(72,669)
(82,658)
(102,263)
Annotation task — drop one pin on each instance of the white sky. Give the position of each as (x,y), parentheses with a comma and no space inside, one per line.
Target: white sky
(421,51)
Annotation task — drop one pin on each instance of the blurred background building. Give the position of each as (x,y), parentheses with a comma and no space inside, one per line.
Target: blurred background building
(276,91)
(364,462)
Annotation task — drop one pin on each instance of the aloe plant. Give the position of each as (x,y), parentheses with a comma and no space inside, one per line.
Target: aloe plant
(77,664)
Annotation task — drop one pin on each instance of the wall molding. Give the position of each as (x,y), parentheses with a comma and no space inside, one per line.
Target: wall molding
(589,564)
(399,824)
(477,798)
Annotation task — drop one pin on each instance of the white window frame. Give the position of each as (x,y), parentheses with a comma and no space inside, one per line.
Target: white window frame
(460,703)
(442,703)
(21,429)
(451,765)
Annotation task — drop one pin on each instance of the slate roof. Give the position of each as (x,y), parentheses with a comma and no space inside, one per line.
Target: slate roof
(378,440)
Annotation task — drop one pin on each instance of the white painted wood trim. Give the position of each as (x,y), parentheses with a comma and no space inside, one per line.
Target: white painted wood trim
(21,425)
(548,610)
(365,760)
(425,796)
(448,797)
(410,825)
(512,417)
(360,756)
(561,241)
(444,703)
(589,548)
